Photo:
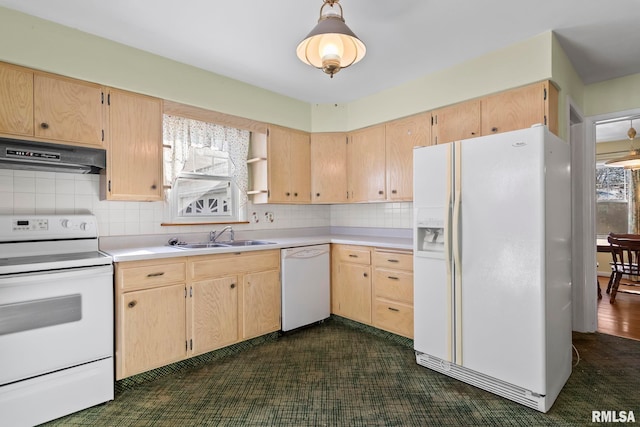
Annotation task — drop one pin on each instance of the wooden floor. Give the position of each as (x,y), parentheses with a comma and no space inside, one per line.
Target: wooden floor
(621,318)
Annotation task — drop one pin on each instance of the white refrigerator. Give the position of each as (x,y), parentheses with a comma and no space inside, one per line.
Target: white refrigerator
(492,266)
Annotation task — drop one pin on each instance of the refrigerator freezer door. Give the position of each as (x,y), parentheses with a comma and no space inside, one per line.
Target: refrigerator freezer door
(433,310)
(502,257)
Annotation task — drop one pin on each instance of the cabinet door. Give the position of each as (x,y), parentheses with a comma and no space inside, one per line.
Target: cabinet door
(68,110)
(329,167)
(353,288)
(514,109)
(279,161)
(401,136)
(300,168)
(135,148)
(16,100)
(214,313)
(460,121)
(151,330)
(261,303)
(366,164)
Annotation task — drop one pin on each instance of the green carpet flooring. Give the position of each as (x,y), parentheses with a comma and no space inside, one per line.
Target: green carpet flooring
(340,374)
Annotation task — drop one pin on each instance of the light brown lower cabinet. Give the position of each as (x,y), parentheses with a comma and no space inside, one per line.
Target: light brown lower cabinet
(172,309)
(373,286)
(393,291)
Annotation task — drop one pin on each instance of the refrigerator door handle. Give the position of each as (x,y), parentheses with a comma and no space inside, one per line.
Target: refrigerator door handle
(457,253)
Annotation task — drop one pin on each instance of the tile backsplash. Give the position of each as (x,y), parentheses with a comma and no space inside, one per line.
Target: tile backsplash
(29,192)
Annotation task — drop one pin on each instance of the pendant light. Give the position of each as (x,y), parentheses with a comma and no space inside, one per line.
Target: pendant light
(631,160)
(331,45)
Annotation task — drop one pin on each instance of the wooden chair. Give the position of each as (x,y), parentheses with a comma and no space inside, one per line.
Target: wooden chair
(625,253)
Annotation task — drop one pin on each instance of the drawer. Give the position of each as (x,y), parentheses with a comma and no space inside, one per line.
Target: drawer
(354,254)
(393,317)
(394,285)
(147,274)
(394,260)
(201,267)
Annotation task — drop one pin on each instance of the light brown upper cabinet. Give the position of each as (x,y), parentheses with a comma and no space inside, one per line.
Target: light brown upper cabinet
(521,108)
(68,110)
(289,163)
(329,167)
(366,164)
(456,122)
(16,100)
(50,108)
(401,136)
(134,164)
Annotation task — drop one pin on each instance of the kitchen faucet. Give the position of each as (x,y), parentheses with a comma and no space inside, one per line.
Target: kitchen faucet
(213,235)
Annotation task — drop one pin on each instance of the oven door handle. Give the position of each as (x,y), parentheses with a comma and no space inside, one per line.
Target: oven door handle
(18,278)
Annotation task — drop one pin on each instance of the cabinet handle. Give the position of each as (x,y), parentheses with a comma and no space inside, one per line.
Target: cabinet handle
(317,194)
(473,133)
(132,304)
(393,309)
(393,260)
(44,125)
(365,274)
(233,285)
(393,192)
(353,256)
(153,187)
(156,274)
(295,194)
(393,277)
(287,194)
(494,129)
(380,192)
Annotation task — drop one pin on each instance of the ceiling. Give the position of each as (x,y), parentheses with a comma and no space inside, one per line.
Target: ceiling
(254,41)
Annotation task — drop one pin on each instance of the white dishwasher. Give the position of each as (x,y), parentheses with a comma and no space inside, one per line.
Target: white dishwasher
(305,286)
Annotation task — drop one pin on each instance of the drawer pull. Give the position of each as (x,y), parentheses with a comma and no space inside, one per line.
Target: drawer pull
(353,256)
(393,309)
(393,278)
(365,274)
(392,260)
(132,303)
(233,285)
(156,274)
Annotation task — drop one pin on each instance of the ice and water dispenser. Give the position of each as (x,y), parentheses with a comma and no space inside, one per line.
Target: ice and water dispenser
(430,232)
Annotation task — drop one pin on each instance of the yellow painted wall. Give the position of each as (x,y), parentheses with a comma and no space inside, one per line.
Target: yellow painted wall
(569,83)
(613,95)
(513,66)
(36,43)
(40,44)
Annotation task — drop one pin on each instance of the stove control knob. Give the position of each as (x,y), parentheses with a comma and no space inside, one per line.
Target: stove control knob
(66,223)
(83,226)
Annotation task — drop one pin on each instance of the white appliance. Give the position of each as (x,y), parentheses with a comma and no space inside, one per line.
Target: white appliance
(56,318)
(492,281)
(305,286)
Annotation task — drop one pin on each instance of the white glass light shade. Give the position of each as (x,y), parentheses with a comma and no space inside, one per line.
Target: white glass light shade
(331,46)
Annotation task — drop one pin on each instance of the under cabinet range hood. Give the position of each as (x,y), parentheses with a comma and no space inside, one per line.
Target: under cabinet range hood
(44,156)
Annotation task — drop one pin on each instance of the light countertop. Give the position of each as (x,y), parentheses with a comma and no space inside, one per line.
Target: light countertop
(157,252)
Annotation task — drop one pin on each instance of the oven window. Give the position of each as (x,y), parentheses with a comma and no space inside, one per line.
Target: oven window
(40,313)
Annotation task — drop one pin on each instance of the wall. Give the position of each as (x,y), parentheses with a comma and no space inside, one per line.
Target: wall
(46,46)
(517,65)
(613,95)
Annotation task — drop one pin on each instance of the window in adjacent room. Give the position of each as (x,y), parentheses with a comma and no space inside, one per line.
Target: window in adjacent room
(613,204)
(205,170)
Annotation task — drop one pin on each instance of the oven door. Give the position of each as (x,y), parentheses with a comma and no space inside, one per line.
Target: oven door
(54,320)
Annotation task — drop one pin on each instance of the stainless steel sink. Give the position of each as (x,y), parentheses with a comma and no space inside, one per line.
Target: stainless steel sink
(248,243)
(200,245)
(233,243)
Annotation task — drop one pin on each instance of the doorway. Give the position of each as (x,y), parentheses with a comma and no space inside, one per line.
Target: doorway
(615,205)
